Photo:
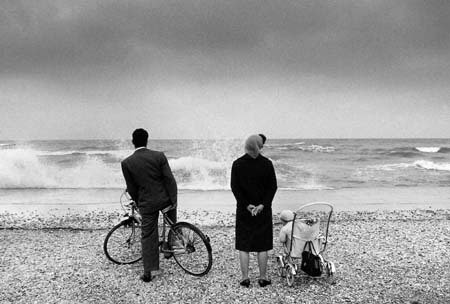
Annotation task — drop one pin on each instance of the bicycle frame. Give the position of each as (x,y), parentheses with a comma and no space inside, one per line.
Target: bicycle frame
(136,215)
(166,222)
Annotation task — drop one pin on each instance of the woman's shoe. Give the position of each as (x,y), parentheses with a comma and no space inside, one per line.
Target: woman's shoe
(146,277)
(264,283)
(245,283)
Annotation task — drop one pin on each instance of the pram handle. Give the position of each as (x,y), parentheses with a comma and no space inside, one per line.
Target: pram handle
(316,203)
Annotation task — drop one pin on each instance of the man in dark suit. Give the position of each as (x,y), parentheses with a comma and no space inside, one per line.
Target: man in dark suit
(151,184)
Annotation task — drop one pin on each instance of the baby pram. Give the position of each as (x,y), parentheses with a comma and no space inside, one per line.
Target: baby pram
(309,233)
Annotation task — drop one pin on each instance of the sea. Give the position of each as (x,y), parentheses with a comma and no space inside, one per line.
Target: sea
(44,174)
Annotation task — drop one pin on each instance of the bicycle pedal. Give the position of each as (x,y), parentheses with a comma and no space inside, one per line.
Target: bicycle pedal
(164,247)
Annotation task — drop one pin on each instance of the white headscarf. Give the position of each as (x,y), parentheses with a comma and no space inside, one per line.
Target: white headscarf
(253,145)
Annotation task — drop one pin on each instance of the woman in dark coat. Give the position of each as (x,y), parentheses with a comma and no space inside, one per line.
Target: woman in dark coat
(254,184)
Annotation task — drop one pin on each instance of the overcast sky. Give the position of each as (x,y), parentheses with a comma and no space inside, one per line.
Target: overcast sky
(208,69)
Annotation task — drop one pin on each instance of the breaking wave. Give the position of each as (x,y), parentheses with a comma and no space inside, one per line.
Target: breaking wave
(22,168)
(28,168)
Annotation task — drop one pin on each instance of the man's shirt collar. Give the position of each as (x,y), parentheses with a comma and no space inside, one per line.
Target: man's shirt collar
(140,148)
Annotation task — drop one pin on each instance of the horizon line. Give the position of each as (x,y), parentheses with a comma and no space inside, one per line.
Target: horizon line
(221,138)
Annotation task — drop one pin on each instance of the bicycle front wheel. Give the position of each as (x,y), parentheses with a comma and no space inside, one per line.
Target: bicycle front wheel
(191,248)
(123,243)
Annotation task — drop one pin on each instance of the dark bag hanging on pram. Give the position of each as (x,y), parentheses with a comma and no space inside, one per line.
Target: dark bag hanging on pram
(311,263)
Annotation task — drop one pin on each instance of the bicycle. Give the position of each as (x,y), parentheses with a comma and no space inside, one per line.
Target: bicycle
(190,248)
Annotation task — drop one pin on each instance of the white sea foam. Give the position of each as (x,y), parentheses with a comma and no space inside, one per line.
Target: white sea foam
(201,174)
(429,165)
(20,168)
(307,186)
(193,163)
(428,149)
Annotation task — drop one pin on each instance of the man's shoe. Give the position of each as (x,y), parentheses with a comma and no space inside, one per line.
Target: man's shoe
(146,277)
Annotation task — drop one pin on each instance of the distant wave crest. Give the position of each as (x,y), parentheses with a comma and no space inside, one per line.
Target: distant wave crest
(299,146)
(405,154)
(419,164)
(428,149)
(410,152)
(120,154)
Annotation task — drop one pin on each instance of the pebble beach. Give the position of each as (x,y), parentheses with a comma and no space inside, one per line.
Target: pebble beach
(381,257)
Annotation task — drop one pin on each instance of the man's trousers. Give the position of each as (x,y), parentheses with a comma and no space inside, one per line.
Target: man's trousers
(150,236)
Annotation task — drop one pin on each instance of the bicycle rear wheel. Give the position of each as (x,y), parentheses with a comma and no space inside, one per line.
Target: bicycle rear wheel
(191,248)
(122,244)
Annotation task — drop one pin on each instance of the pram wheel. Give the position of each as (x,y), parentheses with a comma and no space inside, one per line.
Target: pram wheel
(290,274)
(281,267)
(331,270)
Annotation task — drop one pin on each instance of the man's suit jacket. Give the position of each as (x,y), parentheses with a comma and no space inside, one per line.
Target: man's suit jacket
(149,178)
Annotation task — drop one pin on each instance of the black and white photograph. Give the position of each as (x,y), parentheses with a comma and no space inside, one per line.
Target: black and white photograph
(225,151)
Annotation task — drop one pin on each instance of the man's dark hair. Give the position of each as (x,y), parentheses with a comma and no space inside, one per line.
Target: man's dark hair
(140,138)
(263,138)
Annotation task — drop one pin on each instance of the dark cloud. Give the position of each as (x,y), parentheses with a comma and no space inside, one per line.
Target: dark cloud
(227,38)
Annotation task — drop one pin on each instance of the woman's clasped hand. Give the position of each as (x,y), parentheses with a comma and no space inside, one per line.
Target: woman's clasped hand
(255,210)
